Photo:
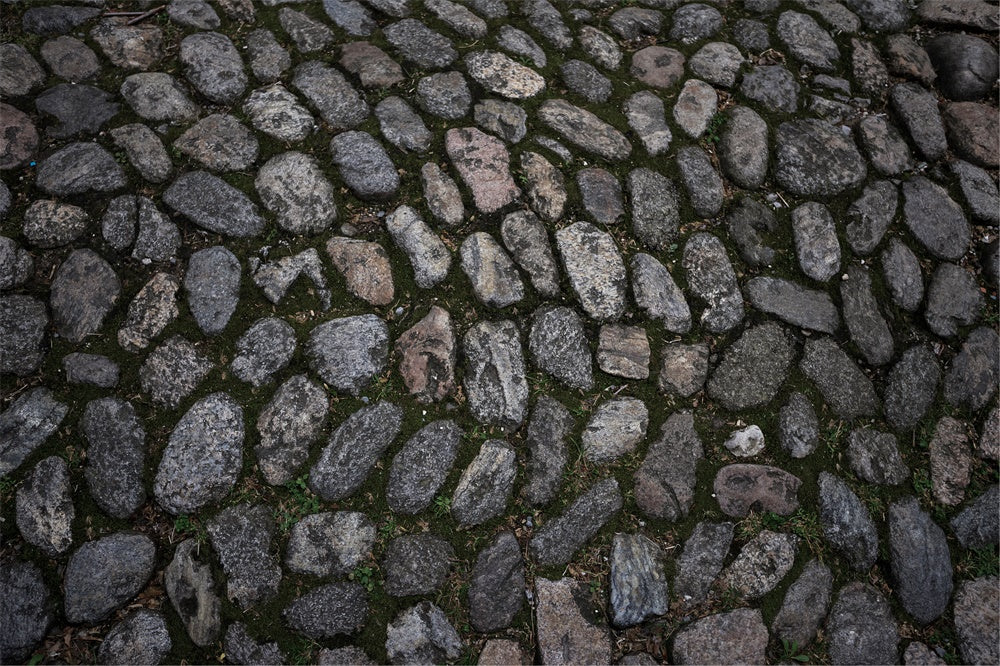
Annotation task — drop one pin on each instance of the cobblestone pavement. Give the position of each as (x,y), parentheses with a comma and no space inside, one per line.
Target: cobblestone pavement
(499,331)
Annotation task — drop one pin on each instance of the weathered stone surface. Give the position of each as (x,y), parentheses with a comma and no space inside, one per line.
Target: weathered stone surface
(502,652)
(445,95)
(874,457)
(746,442)
(505,119)
(105,574)
(485,486)
(75,109)
(526,239)
(595,268)
(816,243)
(484,164)
(903,275)
(847,524)
(761,564)
(978,525)
(657,66)
(585,130)
(145,151)
(639,588)
(920,561)
(623,351)
(863,316)
(953,300)
(935,219)
(495,382)
(364,166)
(804,607)
(416,564)
(420,45)
(557,540)
(910,387)
(846,388)
(329,611)
(737,636)
(349,352)
(569,630)
(546,188)
(972,379)
(665,481)
(655,208)
(278,113)
(493,275)
(27,609)
(976,619)
(84,290)
(203,456)
(172,371)
(601,194)
(20,73)
(44,509)
(242,537)
(861,627)
(151,311)
(701,560)
(213,204)
(744,488)
(695,22)
(773,87)
(712,280)
(23,321)
(753,368)
(500,75)
(870,216)
(743,148)
(793,303)
(658,295)
(213,66)
(292,186)
(548,428)
(212,283)
(419,470)
(951,461)
(55,19)
(264,349)
(969,124)
(353,450)
(496,592)
(884,146)
(18,136)
(615,429)
(26,424)
(601,47)
(918,109)
(116,456)
(703,183)
(50,224)
(813,158)
(442,194)
(401,125)
(16,264)
(288,426)
(718,63)
(683,370)
(137,46)
(141,638)
(192,593)
(647,118)
(558,346)
(241,647)
(330,543)
(979,190)
(427,253)
(79,168)
(428,357)
(422,634)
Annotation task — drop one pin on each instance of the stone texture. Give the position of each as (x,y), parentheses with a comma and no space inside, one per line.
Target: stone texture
(330,543)
(753,368)
(557,541)
(813,158)
(920,561)
(485,486)
(416,564)
(422,634)
(27,607)
(288,425)
(743,488)
(861,627)
(23,321)
(419,469)
(484,164)
(805,605)
(701,560)
(192,593)
(761,564)
(264,349)
(623,351)
(569,631)
(738,636)
(665,481)
(976,620)
(743,148)
(585,130)
(364,166)
(141,638)
(491,271)
(683,369)
(847,524)
(951,461)
(116,456)
(712,280)
(496,591)
(44,509)
(242,537)
(213,204)
(427,253)
(428,357)
(972,378)
(25,425)
(103,575)
(846,388)
(349,352)
(548,428)
(639,588)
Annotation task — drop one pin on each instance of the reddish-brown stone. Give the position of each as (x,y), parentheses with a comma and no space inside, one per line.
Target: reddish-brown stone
(366,268)
(484,164)
(427,352)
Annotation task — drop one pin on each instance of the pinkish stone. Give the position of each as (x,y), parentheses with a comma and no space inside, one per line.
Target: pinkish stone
(428,357)
(658,66)
(365,267)
(484,164)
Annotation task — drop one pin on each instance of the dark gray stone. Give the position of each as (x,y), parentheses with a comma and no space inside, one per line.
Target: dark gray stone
(655,208)
(44,507)
(861,628)
(910,387)
(329,611)
(152,309)
(750,224)
(752,35)
(657,295)
(496,591)
(192,592)
(263,350)
(712,281)
(193,14)
(848,390)
(753,368)
(364,165)
(79,168)
(158,97)
(548,428)
(84,290)
(695,22)
(219,142)
(354,448)
(733,637)
(416,564)
(288,426)
(903,275)
(978,524)
(292,186)
(601,194)
(495,382)
(26,424)
(56,19)
(639,588)
(426,251)
(975,620)
(847,524)
(920,561)
(445,95)
(798,427)
(16,264)
(350,16)
(504,119)
(918,109)
(972,379)
(804,607)
(349,352)
(586,81)
(330,544)
(520,43)
(422,634)
(559,346)
(23,321)
(145,151)
(793,303)
(665,481)
(966,66)
(116,456)
(141,638)
(870,216)
(77,109)
(212,283)
(557,540)
(26,610)
(631,23)
(104,575)
(701,561)
(276,112)
(242,537)
(601,47)
(816,159)
(703,183)
(494,277)
(623,351)
(773,87)
(308,34)
(584,130)
(743,147)
(203,457)
(527,240)
(241,648)
(874,457)
(50,224)
(420,45)
(213,66)
(935,219)
(213,204)
(862,314)
(485,486)
(173,371)
(401,126)
(953,300)
(420,468)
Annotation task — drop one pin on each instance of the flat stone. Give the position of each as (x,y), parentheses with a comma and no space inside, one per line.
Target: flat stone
(55,19)
(350,16)
(203,457)
(28,609)
(420,468)
(861,627)
(753,368)
(978,524)
(416,564)
(141,638)
(935,219)
(422,634)
(718,63)
(657,294)
(601,194)
(870,216)
(712,281)
(18,136)
(908,59)
(459,18)
(805,605)
(911,386)
(920,561)
(806,41)
(49,224)
(330,544)
(420,45)
(79,168)
(761,564)
(428,357)
(886,149)
(665,481)
(586,81)
(373,67)
(288,425)
(623,351)
(966,65)
(308,34)
(84,291)
(970,15)
(268,59)
(242,537)
(442,194)
(751,35)
(145,151)
(548,429)
(264,349)
(505,119)
(292,186)
(116,456)
(558,346)
(918,109)
(499,74)
(557,540)
(77,109)
(276,277)
(862,314)
(701,560)
(213,204)
(485,486)
(584,130)
(615,429)
(484,164)
(846,388)
(953,300)
(918,653)
(546,188)
(972,379)
(773,87)
(150,312)
(157,237)
(631,23)
(793,303)
(569,629)
(874,457)
(979,190)
(92,369)
(968,124)
(349,352)
(329,611)
(703,183)
(491,271)
(192,593)
(26,424)
(401,126)
(743,148)
(595,268)
(976,620)
(601,47)
(16,264)
(951,461)
(743,488)
(752,225)
(193,14)
(657,66)
(520,43)
(240,646)
(365,267)
(683,370)
(639,588)
(526,239)
(339,104)
(105,574)
(496,591)
(903,275)
(364,166)
(212,283)
(737,636)
(445,95)
(353,450)
(213,66)
(655,208)
(220,143)
(547,21)
(137,46)
(847,524)
(428,255)
(44,509)
(20,73)
(813,158)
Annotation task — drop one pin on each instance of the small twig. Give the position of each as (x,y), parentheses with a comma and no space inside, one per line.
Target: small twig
(121,14)
(146,15)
